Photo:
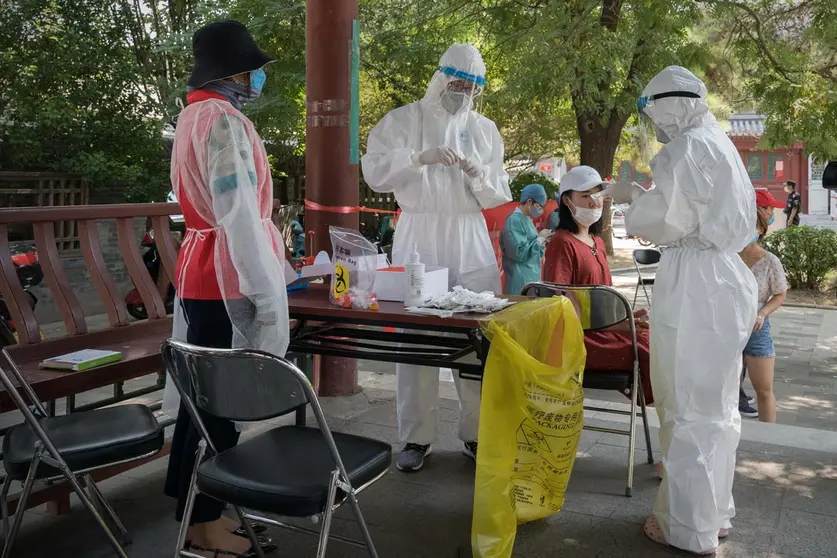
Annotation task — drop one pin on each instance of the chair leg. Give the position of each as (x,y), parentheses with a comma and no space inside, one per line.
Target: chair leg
(632,436)
(647,297)
(104,506)
(327,513)
(645,424)
(190,500)
(60,464)
(4,504)
(21,503)
(636,291)
(254,540)
(364,529)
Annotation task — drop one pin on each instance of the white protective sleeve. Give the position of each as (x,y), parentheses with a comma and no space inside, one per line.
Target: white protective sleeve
(491,187)
(388,163)
(247,240)
(671,209)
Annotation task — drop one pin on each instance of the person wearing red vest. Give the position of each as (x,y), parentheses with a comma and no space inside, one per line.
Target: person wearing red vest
(230,283)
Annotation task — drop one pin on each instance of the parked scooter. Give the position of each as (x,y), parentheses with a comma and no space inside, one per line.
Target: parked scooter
(153,263)
(25,259)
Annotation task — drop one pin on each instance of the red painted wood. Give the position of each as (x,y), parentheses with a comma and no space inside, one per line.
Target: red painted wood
(56,278)
(103,281)
(13,294)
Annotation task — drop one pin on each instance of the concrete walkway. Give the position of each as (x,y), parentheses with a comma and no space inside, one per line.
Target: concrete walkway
(785,488)
(805,382)
(785,495)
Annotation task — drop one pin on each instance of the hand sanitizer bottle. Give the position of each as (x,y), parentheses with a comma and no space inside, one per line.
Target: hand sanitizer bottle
(414,270)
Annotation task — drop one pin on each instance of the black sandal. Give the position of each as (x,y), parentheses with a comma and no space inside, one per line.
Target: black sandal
(265,543)
(258,528)
(219,552)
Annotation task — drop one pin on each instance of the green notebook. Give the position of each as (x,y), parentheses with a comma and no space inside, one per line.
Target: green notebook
(82,360)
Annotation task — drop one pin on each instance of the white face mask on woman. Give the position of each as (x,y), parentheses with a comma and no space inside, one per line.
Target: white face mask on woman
(586,216)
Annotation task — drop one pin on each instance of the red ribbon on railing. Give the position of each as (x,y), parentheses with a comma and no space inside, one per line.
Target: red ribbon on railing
(345,209)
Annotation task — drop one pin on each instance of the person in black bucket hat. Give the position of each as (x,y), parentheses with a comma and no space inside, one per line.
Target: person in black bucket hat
(224,52)
(230,284)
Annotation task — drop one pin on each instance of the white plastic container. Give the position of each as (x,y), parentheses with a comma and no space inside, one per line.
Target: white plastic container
(414,273)
(391,284)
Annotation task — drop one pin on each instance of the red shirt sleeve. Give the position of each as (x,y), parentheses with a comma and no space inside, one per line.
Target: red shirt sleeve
(560,261)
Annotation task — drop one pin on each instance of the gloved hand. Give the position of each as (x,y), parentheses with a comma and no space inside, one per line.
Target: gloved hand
(545,236)
(437,156)
(622,192)
(471,168)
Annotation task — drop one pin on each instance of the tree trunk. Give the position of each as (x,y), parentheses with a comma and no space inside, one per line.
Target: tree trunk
(598,148)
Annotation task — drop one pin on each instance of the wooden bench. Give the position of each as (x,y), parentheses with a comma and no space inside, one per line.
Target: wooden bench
(139,342)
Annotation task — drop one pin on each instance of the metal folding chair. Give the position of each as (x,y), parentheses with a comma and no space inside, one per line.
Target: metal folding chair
(599,308)
(645,257)
(50,448)
(290,471)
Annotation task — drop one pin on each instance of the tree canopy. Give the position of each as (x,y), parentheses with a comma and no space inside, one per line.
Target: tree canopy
(89,87)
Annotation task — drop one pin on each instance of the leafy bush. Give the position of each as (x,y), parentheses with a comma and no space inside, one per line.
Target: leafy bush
(525,178)
(807,253)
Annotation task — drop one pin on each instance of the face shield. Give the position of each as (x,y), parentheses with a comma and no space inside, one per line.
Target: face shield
(458,82)
(460,92)
(647,133)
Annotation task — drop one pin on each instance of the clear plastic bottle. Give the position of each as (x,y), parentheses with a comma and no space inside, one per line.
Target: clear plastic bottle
(414,272)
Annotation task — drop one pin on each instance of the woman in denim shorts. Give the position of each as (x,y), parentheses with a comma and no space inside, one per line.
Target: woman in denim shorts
(759,354)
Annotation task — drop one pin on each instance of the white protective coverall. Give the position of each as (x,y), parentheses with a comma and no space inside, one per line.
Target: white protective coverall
(442,213)
(705,302)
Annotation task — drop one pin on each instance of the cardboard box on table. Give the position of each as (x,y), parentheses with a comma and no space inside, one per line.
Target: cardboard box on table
(390,282)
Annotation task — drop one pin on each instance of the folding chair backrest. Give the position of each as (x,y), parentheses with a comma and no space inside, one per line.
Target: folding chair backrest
(599,307)
(239,385)
(646,256)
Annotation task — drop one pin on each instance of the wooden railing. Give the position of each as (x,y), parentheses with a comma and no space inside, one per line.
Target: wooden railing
(43,219)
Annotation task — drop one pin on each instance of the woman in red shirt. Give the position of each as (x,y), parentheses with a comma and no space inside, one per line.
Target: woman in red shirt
(230,281)
(576,256)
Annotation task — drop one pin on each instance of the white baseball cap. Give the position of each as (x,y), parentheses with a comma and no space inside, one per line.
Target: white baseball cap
(580,179)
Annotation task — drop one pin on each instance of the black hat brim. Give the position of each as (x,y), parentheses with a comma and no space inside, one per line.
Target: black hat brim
(204,73)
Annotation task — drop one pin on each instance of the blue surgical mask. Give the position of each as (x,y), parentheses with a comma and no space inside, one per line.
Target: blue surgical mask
(257,79)
(755,239)
(535,212)
(240,94)
(772,218)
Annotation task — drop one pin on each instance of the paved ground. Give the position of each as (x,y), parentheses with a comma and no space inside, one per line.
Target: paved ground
(806,361)
(786,481)
(785,498)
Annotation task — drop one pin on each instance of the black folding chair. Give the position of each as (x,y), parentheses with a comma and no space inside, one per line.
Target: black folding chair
(50,448)
(599,308)
(290,471)
(645,257)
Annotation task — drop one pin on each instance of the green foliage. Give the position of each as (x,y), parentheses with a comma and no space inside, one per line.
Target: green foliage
(87,87)
(784,53)
(807,253)
(525,178)
(70,97)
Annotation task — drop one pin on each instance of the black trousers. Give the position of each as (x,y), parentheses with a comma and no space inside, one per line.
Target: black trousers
(209,326)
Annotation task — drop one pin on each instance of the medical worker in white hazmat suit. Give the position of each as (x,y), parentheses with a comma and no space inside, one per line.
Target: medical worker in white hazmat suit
(444,163)
(702,208)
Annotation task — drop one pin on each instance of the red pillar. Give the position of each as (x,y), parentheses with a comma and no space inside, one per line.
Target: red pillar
(331,180)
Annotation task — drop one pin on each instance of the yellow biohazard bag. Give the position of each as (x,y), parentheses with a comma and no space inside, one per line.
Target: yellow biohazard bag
(530,420)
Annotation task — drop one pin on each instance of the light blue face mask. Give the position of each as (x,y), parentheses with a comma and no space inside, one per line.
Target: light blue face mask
(771,220)
(536,211)
(755,239)
(240,94)
(257,79)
